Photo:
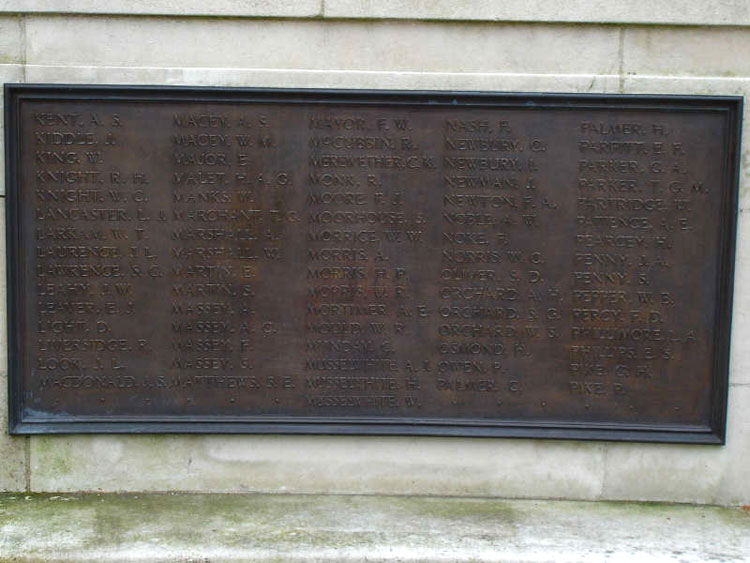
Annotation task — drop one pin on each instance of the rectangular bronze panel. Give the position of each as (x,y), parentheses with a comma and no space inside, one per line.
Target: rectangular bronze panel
(242,260)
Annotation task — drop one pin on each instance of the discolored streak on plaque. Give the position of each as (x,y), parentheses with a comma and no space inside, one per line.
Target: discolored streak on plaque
(233,260)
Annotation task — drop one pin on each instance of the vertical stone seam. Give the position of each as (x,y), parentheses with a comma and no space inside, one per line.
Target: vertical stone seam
(605,464)
(27,460)
(621,57)
(22,28)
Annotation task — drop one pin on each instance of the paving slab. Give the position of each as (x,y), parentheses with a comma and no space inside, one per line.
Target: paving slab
(335,528)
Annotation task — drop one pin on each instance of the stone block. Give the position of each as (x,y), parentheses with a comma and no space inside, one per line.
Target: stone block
(693,12)
(318,464)
(337,45)
(734,484)
(739,351)
(12,448)
(685,473)
(8,73)
(690,51)
(663,472)
(11,40)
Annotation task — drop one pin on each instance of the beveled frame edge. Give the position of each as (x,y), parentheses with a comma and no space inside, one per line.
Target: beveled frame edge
(727,260)
(13,291)
(714,434)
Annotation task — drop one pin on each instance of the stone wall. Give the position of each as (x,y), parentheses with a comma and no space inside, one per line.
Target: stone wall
(631,46)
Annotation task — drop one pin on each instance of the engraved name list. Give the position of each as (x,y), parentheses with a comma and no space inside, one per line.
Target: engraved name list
(280,261)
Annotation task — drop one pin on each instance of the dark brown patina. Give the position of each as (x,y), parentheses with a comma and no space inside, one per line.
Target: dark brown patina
(280,261)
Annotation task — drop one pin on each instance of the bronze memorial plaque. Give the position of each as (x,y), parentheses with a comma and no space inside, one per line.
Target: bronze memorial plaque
(306,261)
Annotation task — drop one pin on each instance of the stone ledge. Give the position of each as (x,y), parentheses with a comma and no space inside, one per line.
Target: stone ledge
(692,12)
(192,528)
(215,8)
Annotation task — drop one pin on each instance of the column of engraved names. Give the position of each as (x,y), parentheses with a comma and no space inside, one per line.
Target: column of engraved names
(633,217)
(88,252)
(224,237)
(366,180)
(498,306)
